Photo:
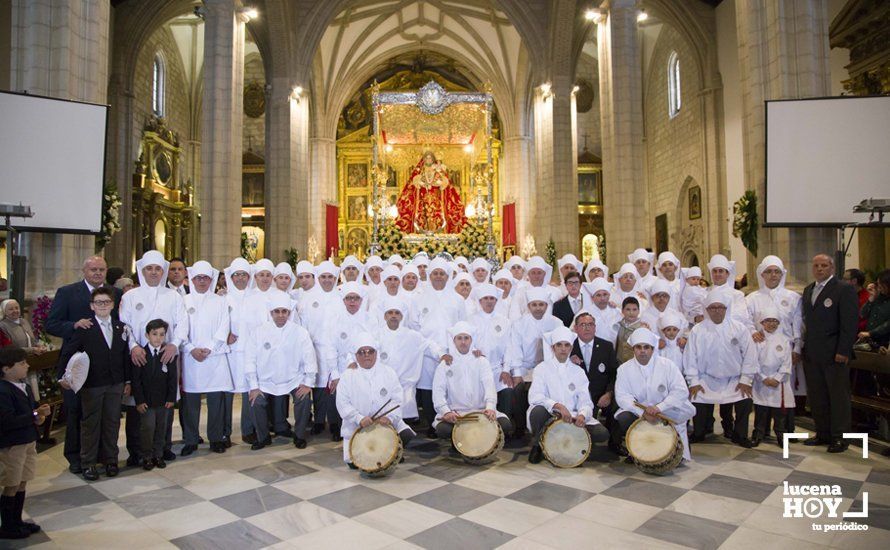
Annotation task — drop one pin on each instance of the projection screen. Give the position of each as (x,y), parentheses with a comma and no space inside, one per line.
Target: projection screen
(52,158)
(823,156)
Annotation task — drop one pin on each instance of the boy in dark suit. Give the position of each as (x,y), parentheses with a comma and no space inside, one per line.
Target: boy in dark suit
(154,387)
(105,342)
(571,304)
(19,416)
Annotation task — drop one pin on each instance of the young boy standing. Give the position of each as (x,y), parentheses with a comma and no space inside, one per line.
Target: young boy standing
(19,414)
(773,395)
(154,388)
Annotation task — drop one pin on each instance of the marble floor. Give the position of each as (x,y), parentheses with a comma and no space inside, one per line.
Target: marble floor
(281,497)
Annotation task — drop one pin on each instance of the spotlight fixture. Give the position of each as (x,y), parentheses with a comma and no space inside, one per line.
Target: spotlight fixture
(642,16)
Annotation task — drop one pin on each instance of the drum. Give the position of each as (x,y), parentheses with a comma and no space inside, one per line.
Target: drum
(375,450)
(477,438)
(564,444)
(655,448)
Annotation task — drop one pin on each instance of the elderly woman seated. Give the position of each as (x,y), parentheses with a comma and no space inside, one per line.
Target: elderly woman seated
(17,329)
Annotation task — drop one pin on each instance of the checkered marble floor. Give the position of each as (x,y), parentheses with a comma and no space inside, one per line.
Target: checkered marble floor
(281,497)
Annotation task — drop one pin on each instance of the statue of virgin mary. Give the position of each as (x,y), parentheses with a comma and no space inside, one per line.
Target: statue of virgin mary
(429,203)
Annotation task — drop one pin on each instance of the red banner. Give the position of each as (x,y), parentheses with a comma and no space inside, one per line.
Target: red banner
(509,224)
(332,242)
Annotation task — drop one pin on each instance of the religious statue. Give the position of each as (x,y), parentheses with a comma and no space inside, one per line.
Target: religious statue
(429,203)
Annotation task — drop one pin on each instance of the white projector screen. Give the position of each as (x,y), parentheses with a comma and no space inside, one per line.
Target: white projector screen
(823,156)
(52,158)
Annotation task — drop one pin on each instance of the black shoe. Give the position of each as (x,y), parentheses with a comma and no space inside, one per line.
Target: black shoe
(336,437)
(743,442)
(75,469)
(838,446)
(218,447)
(756,441)
(133,461)
(402,460)
(816,441)
(352,466)
(112,469)
(200,440)
(148,464)
(249,438)
(227,442)
(299,443)
(431,433)
(91,473)
(29,527)
(260,444)
(159,463)
(169,456)
(188,449)
(288,433)
(317,429)
(696,438)
(536,455)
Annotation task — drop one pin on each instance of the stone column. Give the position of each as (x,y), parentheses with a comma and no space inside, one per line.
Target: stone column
(783,53)
(322,188)
(59,49)
(517,184)
(287,169)
(220,188)
(120,154)
(621,117)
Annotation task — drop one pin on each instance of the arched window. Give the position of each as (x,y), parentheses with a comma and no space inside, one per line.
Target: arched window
(674,101)
(158,84)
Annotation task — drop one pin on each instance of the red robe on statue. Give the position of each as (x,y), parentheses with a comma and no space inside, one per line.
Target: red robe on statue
(429,202)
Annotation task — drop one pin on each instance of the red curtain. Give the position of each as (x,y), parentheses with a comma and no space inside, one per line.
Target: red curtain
(332,242)
(509,224)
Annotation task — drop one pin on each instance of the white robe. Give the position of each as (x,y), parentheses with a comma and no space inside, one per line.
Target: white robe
(278,360)
(491,337)
(651,317)
(719,357)
(464,386)
(692,302)
(738,308)
(403,350)
(339,327)
(361,392)
(519,303)
(563,383)
(672,351)
(606,320)
(208,322)
(526,349)
(239,326)
(788,304)
(774,361)
(660,383)
(434,312)
(315,307)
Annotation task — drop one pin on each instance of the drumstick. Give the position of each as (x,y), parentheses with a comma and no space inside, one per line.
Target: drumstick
(472,417)
(659,415)
(375,417)
(388,401)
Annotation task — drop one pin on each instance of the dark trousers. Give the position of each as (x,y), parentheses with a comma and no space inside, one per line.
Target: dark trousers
(505,403)
(101,422)
(247,427)
(153,431)
(444,429)
(71,402)
(228,399)
(132,425)
(324,408)
(736,428)
(190,405)
(425,404)
(266,403)
(520,405)
(828,392)
(540,416)
(781,421)
(620,426)
(280,414)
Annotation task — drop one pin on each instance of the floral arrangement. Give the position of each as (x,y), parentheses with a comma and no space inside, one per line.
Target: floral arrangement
(111,215)
(472,242)
(551,253)
(38,318)
(745,222)
(292,257)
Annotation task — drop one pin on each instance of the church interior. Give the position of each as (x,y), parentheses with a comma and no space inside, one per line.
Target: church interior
(313,130)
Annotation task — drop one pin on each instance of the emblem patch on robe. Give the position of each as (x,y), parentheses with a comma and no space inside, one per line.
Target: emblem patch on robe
(572,386)
(449,373)
(785,303)
(383,392)
(314,304)
(827,302)
(734,341)
(139,307)
(384,356)
(267,345)
(191,311)
(601,368)
(343,335)
(778,348)
(661,388)
(497,328)
(425,310)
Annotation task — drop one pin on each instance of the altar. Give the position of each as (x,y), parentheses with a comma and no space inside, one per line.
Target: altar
(421,173)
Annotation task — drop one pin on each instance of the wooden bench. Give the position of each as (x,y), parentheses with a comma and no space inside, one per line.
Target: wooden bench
(879,365)
(36,365)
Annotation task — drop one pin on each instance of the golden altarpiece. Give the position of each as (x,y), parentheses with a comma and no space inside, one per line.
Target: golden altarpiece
(457,139)
(164,215)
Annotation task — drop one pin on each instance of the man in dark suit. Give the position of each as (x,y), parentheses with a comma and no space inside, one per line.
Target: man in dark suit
(830,314)
(70,310)
(176,277)
(105,343)
(597,357)
(566,308)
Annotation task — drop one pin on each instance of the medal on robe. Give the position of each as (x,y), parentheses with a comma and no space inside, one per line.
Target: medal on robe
(661,388)
(343,335)
(267,345)
(139,307)
(425,311)
(827,302)
(778,348)
(449,373)
(734,341)
(785,303)
(191,311)
(601,368)
(314,304)
(572,386)
(383,392)
(497,328)
(384,356)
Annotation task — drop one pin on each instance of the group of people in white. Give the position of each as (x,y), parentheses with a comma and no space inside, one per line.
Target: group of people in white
(437,338)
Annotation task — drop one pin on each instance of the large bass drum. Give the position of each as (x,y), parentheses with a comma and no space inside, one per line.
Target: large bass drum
(477,438)
(375,450)
(656,448)
(564,444)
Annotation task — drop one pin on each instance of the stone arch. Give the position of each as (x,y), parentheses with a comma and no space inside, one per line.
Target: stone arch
(687,235)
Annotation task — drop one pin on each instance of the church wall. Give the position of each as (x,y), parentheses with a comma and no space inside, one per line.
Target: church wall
(177,99)
(254,128)
(674,145)
(589,122)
